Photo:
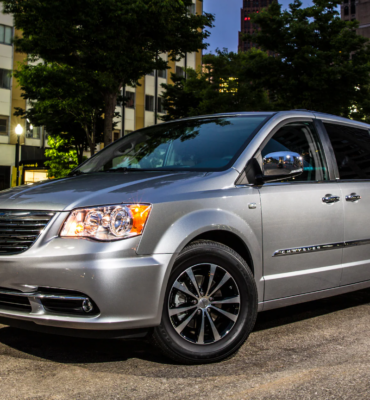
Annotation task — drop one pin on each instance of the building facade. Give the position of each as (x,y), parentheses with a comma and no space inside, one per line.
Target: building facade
(250,7)
(142,109)
(32,152)
(359,10)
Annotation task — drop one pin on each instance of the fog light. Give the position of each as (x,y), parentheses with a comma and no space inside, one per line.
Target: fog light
(87,305)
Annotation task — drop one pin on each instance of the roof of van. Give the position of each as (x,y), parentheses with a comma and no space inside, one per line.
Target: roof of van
(315,114)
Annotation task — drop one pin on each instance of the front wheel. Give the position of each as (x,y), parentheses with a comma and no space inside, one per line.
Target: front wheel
(210,305)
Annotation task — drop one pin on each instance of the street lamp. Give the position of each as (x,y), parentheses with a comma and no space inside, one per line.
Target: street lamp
(18,131)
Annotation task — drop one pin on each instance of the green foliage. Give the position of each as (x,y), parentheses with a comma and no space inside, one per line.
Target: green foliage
(64,100)
(320,62)
(62,158)
(222,86)
(116,41)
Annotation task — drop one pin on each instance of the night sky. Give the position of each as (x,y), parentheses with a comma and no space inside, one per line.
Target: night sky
(227,23)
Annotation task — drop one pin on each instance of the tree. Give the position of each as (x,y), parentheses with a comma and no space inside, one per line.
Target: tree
(320,62)
(118,40)
(223,85)
(62,156)
(63,100)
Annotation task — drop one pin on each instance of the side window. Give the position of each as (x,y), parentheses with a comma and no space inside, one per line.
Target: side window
(298,140)
(352,150)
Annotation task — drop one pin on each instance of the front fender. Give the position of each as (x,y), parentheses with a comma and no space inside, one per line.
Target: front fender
(246,224)
(185,229)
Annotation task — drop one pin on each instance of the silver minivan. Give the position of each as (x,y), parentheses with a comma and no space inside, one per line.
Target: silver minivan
(184,231)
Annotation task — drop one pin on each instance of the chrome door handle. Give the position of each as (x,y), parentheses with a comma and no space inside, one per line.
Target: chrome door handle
(353,197)
(329,199)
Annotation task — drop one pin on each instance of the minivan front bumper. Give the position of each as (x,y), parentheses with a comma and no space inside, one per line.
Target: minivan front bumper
(127,289)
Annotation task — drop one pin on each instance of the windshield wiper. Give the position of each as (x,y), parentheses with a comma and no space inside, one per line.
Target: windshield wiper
(77,173)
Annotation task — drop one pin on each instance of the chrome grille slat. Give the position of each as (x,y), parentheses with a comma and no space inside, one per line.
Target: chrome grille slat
(14,242)
(20,229)
(15,245)
(17,225)
(16,236)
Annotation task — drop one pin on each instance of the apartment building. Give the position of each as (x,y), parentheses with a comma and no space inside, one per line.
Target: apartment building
(142,109)
(359,10)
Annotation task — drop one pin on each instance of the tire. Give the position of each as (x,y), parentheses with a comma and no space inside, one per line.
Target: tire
(224,282)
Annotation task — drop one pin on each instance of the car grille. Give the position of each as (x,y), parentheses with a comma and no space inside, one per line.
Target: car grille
(20,229)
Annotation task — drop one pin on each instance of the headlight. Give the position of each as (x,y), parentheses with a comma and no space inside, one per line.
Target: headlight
(108,222)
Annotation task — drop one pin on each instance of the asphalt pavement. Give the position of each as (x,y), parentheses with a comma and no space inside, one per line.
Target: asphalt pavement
(317,350)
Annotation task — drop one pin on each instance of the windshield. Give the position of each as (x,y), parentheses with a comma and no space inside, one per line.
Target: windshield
(208,144)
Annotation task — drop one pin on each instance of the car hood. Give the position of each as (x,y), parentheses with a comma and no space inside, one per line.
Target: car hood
(103,189)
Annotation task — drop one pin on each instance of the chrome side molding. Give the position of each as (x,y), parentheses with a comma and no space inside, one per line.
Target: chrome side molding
(320,247)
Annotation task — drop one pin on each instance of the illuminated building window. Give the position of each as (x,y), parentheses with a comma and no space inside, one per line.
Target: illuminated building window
(33,132)
(228,86)
(32,176)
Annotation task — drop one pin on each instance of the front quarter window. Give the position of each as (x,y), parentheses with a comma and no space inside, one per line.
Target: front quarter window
(207,144)
(298,140)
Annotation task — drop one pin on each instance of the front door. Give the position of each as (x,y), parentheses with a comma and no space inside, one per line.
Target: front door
(302,218)
(352,151)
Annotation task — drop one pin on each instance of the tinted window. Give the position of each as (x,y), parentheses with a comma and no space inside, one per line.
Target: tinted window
(5,78)
(352,150)
(161,108)
(3,125)
(149,103)
(6,34)
(180,72)
(162,73)
(301,139)
(130,102)
(208,144)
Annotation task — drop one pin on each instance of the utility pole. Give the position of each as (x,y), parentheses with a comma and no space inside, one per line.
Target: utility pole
(156,94)
(18,131)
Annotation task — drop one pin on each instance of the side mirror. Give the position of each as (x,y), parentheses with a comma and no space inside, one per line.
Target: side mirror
(281,165)
(276,167)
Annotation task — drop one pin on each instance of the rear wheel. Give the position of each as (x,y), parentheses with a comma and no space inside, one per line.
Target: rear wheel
(210,305)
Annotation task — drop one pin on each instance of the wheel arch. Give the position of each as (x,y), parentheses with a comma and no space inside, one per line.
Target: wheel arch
(229,239)
(223,226)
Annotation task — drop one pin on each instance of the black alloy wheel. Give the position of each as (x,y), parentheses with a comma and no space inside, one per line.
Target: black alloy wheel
(210,305)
